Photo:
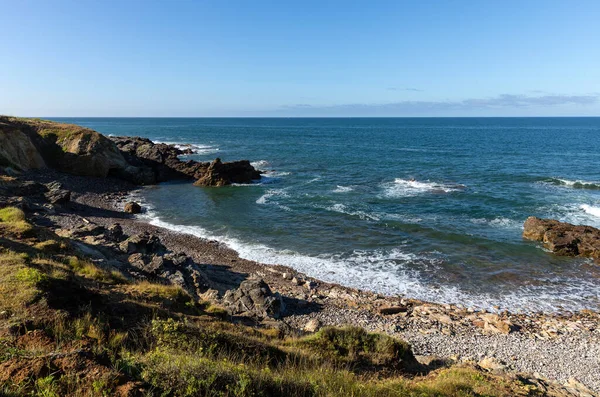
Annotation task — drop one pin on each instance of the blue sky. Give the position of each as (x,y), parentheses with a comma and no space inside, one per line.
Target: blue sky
(311,58)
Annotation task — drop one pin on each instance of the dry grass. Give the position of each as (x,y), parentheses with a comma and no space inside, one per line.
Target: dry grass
(87,269)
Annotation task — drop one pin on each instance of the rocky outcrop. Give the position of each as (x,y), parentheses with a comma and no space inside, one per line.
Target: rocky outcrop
(162,159)
(563,238)
(254,299)
(222,174)
(143,243)
(16,148)
(56,194)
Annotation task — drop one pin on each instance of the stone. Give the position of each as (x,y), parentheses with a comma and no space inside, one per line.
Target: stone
(312,325)
(254,298)
(222,174)
(56,194)
(310,285)
(388,310)
(144,243)
(563,239)
(114,233)
(492,364)
(132,207)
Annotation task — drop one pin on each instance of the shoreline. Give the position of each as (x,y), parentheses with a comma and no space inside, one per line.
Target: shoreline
(553,346)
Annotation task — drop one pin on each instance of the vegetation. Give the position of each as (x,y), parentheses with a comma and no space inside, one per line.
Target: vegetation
(69,327)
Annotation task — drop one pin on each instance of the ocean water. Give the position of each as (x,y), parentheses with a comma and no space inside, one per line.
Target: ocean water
(431,208)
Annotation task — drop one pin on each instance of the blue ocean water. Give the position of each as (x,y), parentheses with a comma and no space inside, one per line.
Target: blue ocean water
(339,202)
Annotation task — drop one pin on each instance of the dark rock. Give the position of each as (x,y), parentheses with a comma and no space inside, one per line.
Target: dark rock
(56,194)
(87,229)
(114,233)
(221,174)
(132,208)
(388,310)
(563,238)
(254,298)
(143,243)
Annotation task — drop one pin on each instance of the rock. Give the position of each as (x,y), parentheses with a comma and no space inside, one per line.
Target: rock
(310,285)
(254,298)
(16,147)
(563,238)
(387,310)
(287,276)
(492,324)
(312,325)
(143,243)
(222,174)
(56,194)
(132,207)
(114,233)
(493,365)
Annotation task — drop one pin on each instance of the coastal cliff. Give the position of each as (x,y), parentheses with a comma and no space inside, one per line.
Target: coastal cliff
(36,144)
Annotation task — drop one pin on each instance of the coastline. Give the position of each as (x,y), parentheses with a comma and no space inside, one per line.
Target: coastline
(554,346)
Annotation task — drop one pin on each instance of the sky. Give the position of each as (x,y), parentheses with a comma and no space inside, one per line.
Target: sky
(306,58)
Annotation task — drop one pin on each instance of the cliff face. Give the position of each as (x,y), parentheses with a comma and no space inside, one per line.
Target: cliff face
(16,149)
(31,143)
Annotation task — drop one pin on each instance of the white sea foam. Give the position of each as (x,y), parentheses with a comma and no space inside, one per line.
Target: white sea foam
(407,188)
(195,147)
(343,189)
(500,222)
(573,184)
(343,209)
(595,211)
(272,196)
(260,164)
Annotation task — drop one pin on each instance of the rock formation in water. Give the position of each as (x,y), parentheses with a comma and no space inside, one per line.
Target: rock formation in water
(33,144)
(563,238)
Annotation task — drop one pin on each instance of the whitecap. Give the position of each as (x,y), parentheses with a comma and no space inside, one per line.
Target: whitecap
(260,164)
(499,222)
(407,188)
(343,209)
(573,184)
(196,148)
(595,211)
(343,189)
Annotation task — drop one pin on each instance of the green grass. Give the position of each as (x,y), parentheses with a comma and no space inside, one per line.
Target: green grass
(86,268)
(12,220)
(19,284)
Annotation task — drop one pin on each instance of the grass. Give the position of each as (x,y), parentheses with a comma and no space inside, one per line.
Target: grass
(86,268)
(12,220)
(19,284)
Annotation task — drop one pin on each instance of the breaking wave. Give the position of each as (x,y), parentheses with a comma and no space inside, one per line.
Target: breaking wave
(407,188)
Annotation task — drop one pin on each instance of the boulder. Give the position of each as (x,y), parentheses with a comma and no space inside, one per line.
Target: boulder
(56,194)
(143,243)
(563,239)
(132,208)
(222,174)
(114,233)
(254,298)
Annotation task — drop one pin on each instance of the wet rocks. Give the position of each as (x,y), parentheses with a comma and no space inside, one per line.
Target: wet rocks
(132,207)
(222,174)
(254,298)
(562,238)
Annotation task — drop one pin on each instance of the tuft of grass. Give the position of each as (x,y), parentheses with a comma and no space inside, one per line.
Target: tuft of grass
(86,268)
(358,348)
(19,284)
(13,221)
(49,246)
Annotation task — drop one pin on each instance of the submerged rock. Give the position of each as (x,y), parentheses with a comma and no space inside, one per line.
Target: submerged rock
(562,238)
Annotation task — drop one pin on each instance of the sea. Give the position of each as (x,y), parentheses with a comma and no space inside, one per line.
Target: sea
(427,208)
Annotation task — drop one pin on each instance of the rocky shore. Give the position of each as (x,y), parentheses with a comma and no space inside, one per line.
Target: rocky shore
(557,352)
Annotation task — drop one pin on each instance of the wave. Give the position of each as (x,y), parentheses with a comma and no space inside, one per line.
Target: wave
(196,148)
(500,222)
(408,188)
(343,209)
(595,211)
(343,189)
(386,271)
(260,164)
(267,198)
(574,184)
